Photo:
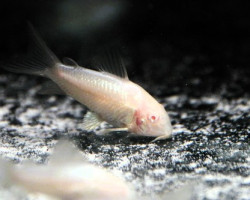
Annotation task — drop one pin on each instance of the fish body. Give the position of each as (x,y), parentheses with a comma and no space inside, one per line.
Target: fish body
(71,181)
(70,177)
(114,99)
(103,93)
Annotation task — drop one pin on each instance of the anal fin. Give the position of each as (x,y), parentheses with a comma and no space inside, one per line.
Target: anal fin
(50,88)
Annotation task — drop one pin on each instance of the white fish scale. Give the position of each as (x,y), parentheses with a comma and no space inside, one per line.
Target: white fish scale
(100,92)
(98,81)
(90,80)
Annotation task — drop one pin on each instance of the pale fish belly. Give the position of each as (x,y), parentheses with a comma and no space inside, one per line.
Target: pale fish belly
(102,93)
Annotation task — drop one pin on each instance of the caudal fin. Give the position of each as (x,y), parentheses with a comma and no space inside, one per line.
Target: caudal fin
(39,59)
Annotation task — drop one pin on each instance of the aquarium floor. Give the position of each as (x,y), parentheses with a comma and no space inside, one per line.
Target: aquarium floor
(208,156)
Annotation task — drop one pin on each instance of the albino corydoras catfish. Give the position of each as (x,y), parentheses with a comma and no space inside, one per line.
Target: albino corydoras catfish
(109,97)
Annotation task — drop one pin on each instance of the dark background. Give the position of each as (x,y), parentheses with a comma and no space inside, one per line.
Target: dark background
(191,47)
(193,55)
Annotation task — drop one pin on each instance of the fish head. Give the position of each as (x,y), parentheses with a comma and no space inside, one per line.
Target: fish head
(152,121)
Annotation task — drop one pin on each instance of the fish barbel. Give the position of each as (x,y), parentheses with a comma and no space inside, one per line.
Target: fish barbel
(108,94)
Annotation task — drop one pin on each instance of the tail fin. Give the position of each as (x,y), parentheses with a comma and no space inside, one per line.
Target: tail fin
(39,60)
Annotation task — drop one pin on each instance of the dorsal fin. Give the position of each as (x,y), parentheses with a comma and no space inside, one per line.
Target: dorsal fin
(113,63)
(69,61)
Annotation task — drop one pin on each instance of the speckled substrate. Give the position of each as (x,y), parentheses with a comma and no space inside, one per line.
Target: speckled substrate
(208,156)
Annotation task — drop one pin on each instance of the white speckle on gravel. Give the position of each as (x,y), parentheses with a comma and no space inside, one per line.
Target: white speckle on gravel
(208,151)
(4,110)
(26,117)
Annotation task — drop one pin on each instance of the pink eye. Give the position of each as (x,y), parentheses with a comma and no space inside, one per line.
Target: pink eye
(152,118)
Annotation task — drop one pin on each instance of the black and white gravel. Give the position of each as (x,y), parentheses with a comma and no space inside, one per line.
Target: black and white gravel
(208,156)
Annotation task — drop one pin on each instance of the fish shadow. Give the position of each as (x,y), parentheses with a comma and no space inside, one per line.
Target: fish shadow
(86,139)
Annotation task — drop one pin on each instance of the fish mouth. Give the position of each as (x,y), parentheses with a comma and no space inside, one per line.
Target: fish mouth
(162,132)
(160,136)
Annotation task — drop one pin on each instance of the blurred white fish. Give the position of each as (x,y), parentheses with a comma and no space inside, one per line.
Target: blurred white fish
(109,94)
(67,176)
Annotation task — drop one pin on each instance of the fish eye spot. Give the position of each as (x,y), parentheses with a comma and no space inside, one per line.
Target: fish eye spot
(152,118)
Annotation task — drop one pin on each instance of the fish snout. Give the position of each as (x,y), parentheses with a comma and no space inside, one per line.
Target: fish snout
(164,134)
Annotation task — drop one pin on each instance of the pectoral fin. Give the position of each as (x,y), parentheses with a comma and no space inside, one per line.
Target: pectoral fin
(91,121)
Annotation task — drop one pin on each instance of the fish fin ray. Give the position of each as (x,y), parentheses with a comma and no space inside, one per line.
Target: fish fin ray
(111,62)
(91,121)
(39,59)
(70,62)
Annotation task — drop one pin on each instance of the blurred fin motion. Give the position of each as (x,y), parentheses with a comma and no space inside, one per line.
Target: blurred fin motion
(66,151)
(5,169)
(39,60)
